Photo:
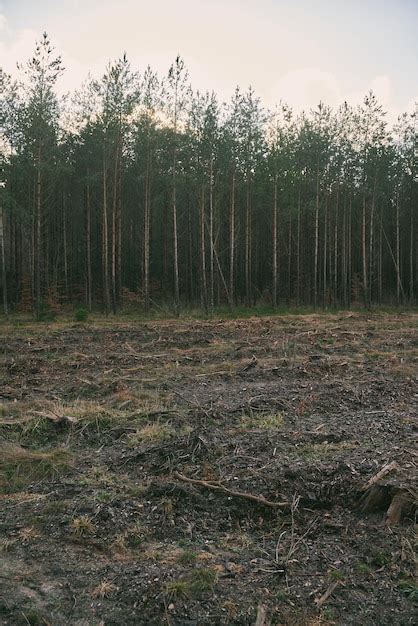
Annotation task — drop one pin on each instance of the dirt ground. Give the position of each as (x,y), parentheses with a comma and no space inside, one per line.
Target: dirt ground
(104,424)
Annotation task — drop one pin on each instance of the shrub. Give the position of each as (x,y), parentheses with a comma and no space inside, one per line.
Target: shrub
(45,313)
(81,315)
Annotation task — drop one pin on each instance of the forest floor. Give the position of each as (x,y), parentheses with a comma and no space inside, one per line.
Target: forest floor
(102,425)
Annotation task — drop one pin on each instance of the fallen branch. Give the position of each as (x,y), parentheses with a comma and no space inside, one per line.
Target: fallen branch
(213,373)
(390,467)
(58,420)
(230,492)
(327,594)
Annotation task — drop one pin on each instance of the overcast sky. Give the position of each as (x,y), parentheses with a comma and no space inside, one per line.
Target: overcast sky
(299,51)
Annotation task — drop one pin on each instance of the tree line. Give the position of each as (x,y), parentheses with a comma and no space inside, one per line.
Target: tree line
(137,189)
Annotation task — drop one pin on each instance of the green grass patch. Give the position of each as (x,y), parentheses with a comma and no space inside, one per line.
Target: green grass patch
(265,421)
(20,466)
(194,584)
(187,557)
(410,588)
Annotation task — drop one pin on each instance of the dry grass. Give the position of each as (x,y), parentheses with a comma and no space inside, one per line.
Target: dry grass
(7,544)
(83,526)
(27,418)
(130,540)
(103,590)
(323,450)
(118,545)
(28,534)
(152,432)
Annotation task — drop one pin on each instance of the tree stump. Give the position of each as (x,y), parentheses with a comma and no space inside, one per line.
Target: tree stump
(398,502)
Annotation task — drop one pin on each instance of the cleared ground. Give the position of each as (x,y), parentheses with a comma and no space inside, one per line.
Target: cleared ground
(105,426)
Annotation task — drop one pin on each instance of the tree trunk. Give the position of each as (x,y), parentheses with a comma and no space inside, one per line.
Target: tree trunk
(344,252)
(298,249)
(289,263)
(203,285)
(147,211)
(398,268)
(166,238)
(190,278)
(350,213)
(336,248)
(65,251)
(364,254)
(119,239)
(105,244)
(114,228)
(316,241)
(325,268)
(380,266)
(32,256)
(411,258)
(371,244)
(38,221)
(88,249)
(247,245)
(3,261)
(212,243)
(232,241)
(174,208)
(175,253)
(274,286)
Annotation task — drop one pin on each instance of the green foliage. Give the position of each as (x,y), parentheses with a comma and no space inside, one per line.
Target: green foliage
(81,315)
(187,557)
(363,569)
(169,153)
(410,588)
(45,313)
(194,584)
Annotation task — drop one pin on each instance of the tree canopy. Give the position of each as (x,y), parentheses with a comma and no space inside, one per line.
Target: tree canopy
(138,189)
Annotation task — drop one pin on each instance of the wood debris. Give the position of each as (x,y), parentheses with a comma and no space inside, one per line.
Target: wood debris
(236,494)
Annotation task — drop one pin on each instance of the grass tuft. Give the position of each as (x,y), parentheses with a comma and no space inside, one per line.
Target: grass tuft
(103,590)
(20,466)
(152,432)
(194,584)
(82,526)
(187,557)
(265,421)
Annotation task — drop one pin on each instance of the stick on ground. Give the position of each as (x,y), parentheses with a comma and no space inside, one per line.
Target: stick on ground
(230,492)
(327,594)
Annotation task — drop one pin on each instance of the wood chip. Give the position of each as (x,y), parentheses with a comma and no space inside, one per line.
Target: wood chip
(262,619)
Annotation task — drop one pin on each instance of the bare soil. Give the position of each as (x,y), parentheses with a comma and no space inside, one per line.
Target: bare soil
(102,424)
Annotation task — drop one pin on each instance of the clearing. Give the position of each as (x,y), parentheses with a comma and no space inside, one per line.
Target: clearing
(105,427)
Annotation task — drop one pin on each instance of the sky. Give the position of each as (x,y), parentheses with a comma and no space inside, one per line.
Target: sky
(299,51)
